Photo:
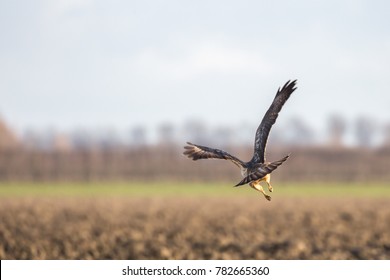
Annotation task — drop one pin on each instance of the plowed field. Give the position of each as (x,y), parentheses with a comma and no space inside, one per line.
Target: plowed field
(194,228)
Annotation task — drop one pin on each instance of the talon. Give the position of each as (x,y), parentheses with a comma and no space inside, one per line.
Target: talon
(268,197)
(271,189)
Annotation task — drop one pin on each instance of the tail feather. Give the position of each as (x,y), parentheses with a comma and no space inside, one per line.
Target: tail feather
(262,170)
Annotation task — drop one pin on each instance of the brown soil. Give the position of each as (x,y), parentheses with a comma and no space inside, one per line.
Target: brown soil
(202,228)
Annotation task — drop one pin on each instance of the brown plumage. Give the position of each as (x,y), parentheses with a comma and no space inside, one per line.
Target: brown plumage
(257,169)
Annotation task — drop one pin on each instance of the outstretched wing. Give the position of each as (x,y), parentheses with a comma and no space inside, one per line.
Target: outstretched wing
(269,119)
(196,152)
(261,170)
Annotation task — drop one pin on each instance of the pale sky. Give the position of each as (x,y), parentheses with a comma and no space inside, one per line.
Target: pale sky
(86,63)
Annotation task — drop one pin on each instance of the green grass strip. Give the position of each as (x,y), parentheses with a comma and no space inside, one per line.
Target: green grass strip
(173,189)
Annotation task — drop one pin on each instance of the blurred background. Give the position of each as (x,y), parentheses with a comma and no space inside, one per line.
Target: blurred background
(87,85)
(96,92)
(113,155)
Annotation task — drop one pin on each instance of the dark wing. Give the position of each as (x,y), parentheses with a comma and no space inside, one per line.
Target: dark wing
(269,119)
(261,170)
(196,152)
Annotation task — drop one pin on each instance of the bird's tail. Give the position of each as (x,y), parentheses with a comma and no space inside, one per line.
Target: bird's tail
(273,165)
(262,170)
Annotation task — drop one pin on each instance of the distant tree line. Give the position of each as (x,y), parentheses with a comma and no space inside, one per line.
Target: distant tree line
(338,132)
(85,158)
(166,163)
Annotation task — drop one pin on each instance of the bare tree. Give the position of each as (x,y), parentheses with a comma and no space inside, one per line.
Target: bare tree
(7,137)
(82,139)
(196,131)
(223,136)
(364,131)
(336,129)
(138,136)
(298,132)
(166,134)
(386,135)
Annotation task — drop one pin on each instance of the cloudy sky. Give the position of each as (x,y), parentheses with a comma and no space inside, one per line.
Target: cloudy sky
(86,63)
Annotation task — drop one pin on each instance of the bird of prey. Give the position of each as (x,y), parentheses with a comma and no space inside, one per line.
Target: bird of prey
(257,169)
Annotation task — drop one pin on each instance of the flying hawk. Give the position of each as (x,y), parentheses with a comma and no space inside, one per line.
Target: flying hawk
(257,169)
